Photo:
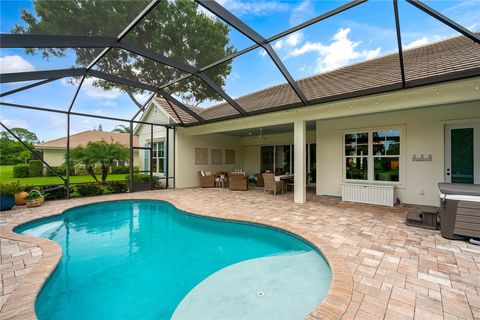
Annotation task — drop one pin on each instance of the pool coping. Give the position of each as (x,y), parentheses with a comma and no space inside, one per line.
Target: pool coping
(21,303)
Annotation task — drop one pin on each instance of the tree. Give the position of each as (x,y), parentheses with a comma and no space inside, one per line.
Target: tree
(13,151)
(98,153)
(23,134)
(122,129)
(177,29)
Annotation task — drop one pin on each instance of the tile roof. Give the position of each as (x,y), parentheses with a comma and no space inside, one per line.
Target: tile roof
(445,57)
(84,137)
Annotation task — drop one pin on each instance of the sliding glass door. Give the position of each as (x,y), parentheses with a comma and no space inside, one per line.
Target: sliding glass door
(279,159)
(311,164)
(276,159)
(267,158)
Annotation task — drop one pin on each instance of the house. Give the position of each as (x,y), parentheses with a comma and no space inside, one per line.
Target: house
(54,150)
(409,137)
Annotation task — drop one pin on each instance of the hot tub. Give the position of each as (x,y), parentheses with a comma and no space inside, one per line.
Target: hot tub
(459,210)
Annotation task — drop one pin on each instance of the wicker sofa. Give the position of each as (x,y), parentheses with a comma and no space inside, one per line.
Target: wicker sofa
(238,181)
(206,180)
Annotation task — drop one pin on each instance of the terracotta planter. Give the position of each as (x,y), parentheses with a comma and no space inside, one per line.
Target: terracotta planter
(20,198)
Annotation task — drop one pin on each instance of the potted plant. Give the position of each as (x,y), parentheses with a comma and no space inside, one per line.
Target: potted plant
(35,198)
(20,198)
(7,194)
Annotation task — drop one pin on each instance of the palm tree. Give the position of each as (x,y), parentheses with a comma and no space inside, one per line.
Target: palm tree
(122,129)
(98,153)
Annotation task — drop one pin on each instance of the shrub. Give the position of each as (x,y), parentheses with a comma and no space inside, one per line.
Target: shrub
(97,170)
(36,168)
(59,169)
(89,189)
(120,169)
(56,194)
(138,178)
(117,186)
(21,171)
(156,182)
(80,171)
(10,189)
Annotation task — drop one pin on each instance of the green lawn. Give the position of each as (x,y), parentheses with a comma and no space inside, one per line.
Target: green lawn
(6,176)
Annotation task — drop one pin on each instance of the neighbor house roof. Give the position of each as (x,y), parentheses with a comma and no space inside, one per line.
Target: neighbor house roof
(82,138)
(444,58)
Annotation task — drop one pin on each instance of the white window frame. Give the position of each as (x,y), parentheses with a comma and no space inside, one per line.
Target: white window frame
(155,156)
(371,156)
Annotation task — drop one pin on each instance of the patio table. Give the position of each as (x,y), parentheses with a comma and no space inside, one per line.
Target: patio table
(288,179)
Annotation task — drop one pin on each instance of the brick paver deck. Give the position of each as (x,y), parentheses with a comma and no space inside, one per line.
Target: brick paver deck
(381,268)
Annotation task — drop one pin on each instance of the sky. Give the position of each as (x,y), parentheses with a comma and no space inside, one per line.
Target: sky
(364,32)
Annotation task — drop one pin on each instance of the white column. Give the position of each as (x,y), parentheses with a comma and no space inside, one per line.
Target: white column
(299,140)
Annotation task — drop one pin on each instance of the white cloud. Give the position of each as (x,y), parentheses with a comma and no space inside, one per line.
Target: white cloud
(424,41)
(290,41)
(96,92)
(15,63)
(108,103)
(14,123)
(417,43)
(340,52)
(257,8)
(302,12)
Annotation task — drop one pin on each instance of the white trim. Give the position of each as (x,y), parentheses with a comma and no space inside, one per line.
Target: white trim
(147,112)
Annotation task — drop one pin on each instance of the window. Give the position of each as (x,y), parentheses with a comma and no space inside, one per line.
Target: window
(356,156)
(386,155)
(158,162)
(372,155)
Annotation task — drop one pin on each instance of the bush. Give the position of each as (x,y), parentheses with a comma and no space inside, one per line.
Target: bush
(21,171)
(89,189)
(80,171)
(59,169)
(36,168)
(117,187)
(156,182)
(138,178)
(10,189)
(55,194)
(97,170)
(120,169)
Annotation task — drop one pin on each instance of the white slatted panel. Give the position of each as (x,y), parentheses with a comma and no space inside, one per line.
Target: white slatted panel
(372,194)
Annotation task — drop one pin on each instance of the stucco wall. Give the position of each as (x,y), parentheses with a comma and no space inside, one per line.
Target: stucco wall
(54,157)
(186,172)
(424,134)
(57,157)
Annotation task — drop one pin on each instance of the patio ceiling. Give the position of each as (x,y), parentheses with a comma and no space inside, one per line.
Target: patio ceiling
(293,94)
(262,131)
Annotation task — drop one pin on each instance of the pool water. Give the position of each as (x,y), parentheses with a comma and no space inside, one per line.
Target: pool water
(138,259)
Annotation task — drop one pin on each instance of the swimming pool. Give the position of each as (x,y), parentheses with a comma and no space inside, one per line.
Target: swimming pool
(142,259)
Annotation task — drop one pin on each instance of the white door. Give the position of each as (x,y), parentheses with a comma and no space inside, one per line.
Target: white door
(462,153)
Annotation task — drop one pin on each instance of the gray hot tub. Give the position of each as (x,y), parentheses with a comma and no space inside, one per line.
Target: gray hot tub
(459,210)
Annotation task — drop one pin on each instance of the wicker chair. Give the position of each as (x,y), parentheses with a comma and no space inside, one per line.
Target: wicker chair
(259,180)
(238,181)
(207,181)
(272,185)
